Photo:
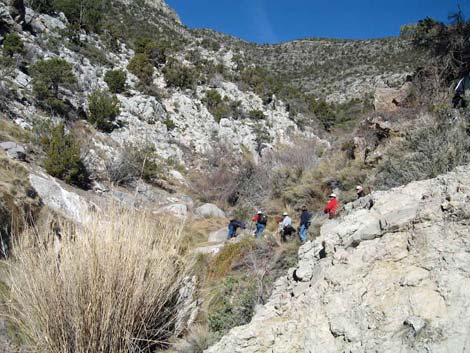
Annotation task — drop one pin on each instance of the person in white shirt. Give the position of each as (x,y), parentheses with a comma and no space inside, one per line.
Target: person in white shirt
(286,226)
(286,220)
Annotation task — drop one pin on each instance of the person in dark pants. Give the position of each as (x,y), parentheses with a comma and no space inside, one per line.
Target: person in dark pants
(286,227)
(233,227)
(305,218)
(261,222)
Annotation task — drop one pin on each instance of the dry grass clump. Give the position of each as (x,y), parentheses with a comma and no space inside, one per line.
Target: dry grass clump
(196,232)
(439,144)
(109,286)
(9,131)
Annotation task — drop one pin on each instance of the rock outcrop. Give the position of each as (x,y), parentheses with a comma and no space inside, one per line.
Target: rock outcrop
(390,99)
(394,279)
(209,210)
(57,198)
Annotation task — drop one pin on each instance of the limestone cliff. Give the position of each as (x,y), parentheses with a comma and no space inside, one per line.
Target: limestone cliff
(395,279)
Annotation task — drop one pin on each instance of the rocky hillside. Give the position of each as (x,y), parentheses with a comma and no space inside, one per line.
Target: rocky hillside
(389,275)
(337,70)
(178,118)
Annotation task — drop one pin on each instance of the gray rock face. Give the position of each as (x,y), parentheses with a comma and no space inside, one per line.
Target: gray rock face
(219,236)
(209,210)
(189,305)
(66,203)
(14,150)
(395,279)
(179,210)
(41,23)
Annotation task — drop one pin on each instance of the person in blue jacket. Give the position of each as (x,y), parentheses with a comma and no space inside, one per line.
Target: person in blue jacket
(233,226)
(305,219)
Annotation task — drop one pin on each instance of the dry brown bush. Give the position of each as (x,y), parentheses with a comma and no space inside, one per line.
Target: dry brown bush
(111,286)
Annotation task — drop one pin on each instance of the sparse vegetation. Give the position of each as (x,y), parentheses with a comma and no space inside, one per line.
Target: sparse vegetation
(104,108)
(258,264)
(436,147)
(135,162)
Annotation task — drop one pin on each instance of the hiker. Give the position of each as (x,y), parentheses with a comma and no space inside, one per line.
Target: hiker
(462,91)
(332,206)
(360,192)
(233,227)
(261,221)
(305,219)
(286,227)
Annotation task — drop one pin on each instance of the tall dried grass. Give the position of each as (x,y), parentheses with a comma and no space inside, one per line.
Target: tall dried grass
(111,286)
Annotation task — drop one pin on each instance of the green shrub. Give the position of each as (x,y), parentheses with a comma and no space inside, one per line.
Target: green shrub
(177,75)
(256,114)
(210,44)
(141,67)
(155,52)
(86,14)
(42,6)
(83,14)
(63,159)
(104,109)
(116,80)
(212,99)
(237,307)
(221,107)
(12,44)
(47,76)
(169,123)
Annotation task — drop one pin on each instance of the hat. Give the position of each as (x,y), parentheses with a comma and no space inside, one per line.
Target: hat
(333,195)
(359,188)
(260,212)
(285,214)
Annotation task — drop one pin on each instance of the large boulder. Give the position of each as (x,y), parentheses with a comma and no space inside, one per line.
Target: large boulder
(209,210)
(55,196)
(14,150)
(179,210)
(42,23)
(394,279)
(218,236)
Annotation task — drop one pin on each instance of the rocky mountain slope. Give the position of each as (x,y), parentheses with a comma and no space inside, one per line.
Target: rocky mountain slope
(388,272)
(337,70)
(177,121)
(389,275)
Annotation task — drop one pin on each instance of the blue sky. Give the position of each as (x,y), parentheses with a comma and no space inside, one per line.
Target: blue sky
(273,21)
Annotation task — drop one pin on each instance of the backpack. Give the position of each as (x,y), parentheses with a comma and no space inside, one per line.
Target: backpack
(263,219)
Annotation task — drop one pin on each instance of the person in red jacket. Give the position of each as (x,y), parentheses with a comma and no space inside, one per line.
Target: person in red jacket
(332,206)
